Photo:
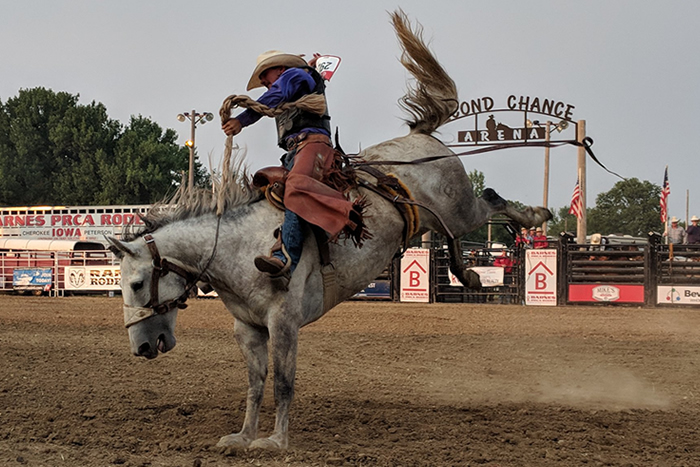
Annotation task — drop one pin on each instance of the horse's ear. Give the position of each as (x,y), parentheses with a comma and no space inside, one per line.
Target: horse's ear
(146,221)
(118,248)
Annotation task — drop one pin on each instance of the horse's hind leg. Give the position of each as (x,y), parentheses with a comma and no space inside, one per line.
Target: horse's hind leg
(468,278)
(253,344)
(528,217)
(488,204)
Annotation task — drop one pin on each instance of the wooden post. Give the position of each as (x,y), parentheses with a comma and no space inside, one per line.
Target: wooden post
(545,198)
(581,223)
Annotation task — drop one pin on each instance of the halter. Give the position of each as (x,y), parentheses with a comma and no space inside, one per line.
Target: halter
(161,268)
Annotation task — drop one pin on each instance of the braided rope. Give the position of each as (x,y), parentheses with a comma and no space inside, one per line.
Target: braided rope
(314,103)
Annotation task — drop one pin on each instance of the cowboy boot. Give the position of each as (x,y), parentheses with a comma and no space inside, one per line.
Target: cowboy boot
(278,262)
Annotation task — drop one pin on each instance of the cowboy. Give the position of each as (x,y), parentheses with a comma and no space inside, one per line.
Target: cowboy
(539,240)
(306,138)
(676,235)
(693,232)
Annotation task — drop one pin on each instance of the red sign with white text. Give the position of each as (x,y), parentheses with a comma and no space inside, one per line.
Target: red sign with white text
(606,293)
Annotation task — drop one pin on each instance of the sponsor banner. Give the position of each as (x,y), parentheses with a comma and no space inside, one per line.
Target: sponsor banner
(376,289)
(415,275)
(489,276)
(541,277)
(92,278)
(606,293)
(678,294)
(32,278)
(90,227)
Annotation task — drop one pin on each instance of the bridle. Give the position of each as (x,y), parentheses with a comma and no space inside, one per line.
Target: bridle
(161,268)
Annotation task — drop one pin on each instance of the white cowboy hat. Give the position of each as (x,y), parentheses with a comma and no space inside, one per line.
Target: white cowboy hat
(538,229)
(271,59)
(674,220)
(596,238)
(694,218)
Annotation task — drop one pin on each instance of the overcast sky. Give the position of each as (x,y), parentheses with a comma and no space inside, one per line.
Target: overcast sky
(629,68)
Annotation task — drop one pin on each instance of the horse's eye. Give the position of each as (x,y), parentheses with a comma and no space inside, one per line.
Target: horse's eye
(136,286)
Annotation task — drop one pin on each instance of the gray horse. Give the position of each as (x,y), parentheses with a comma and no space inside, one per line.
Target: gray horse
(186,243)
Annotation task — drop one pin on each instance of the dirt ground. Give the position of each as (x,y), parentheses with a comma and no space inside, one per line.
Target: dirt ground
(378,384)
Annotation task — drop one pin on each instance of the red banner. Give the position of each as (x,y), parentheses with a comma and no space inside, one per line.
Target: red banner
(606,293)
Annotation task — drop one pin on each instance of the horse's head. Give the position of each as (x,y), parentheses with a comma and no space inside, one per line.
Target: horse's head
(153,289)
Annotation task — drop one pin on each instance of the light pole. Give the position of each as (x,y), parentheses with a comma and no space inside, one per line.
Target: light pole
(194,119)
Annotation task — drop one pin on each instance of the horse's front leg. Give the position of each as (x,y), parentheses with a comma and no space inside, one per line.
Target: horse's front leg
(283,337)
(253,344)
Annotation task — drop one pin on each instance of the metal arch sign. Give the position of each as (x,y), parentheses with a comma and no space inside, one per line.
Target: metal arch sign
(514,123)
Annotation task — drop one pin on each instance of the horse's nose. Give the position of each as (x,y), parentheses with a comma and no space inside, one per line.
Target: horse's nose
(145,350)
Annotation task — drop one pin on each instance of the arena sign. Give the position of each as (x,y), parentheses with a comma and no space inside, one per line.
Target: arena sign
(89,223)
(514,122)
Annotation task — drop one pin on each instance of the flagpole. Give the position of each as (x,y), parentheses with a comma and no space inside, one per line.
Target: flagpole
(581,221)
(666,193)
(687,206)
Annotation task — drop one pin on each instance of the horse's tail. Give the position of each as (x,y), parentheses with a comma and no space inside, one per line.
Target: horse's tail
(433,98)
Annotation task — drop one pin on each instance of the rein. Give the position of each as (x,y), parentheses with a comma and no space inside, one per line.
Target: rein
(161,268)
(586,144)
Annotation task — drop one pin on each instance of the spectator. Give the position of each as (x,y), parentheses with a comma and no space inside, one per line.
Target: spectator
(597,242)
(676,234)
(539,240)
(504,262)
(693,232)
(522,239)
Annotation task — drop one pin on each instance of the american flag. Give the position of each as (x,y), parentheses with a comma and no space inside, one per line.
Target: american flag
(663,202)
(576,205)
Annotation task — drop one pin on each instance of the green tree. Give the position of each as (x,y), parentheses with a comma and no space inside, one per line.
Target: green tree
(561,222)
(478,181)
(54,150)
(631,207)
(146,167)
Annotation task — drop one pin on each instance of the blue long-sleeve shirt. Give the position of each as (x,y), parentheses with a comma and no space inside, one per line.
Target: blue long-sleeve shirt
(292,83)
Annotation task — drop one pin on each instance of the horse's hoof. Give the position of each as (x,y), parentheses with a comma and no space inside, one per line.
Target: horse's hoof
(235,440)
(472,280)
(268,444)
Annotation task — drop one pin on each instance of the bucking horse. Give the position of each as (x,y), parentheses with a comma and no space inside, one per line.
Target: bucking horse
(213,238)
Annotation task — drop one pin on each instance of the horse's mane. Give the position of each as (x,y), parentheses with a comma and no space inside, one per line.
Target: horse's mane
(233,188)
(433,98)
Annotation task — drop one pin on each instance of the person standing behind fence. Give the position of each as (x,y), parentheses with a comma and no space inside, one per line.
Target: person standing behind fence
(676,235)
(522,239)
(693,232)
(539,240)
(531,237)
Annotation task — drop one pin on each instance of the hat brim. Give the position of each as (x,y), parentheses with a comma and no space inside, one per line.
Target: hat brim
(288,60)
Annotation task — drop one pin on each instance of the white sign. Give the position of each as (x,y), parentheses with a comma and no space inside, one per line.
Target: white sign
(415,275)
(606,293)
(678,294)
(489,276)
(541,277)
(326,65)
(92,278)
